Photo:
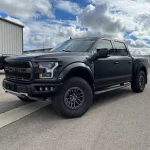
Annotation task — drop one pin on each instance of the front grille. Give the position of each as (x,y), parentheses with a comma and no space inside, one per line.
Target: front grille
(18,70)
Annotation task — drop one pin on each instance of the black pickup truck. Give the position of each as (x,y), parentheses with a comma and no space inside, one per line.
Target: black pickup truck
(73,72)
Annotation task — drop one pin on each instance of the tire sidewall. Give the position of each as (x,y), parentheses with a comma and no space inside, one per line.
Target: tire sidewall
(141,73)
(88,97)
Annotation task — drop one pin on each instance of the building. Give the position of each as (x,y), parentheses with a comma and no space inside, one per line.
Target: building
(11,37)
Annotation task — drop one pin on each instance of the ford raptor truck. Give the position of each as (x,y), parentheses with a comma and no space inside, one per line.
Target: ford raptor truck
(73,72)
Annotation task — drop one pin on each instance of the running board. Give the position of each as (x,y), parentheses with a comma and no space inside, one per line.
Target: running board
(113,88)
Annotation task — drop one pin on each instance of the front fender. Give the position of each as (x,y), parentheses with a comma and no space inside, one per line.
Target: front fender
(73,67)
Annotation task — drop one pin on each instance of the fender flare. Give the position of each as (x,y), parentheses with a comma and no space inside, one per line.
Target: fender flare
(75,66)
(137,69)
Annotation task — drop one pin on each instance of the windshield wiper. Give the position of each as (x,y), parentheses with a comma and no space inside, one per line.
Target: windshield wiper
(66,50)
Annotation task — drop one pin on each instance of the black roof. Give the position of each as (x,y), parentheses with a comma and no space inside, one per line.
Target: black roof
(96,38)
(87,38)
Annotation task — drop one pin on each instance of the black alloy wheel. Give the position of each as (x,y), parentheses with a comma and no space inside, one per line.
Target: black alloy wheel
(138,85)
(74,98)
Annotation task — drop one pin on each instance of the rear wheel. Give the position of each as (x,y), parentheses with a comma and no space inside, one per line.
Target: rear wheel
(139,84)
(26,99)
(74,99)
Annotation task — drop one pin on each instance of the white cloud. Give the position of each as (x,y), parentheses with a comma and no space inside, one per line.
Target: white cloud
(134,15)
(139,51)
(52,34)
(143,30)
(141,34)
(107,18)
(68,6)
(130,12)
(27,9)
(137,43)
(129,7)
(99,21)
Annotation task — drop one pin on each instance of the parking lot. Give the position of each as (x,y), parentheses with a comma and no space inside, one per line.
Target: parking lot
(118,120)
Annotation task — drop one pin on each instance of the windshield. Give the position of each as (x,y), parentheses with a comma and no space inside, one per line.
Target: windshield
(76,45)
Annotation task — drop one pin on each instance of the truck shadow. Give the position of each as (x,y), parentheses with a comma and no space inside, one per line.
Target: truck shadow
(50,119)
(47,114)
(2,72)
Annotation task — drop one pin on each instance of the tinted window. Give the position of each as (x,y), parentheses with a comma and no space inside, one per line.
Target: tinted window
(121,49)
(106,44)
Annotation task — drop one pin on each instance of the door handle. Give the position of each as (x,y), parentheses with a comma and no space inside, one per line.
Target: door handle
(129,62)
(116,62)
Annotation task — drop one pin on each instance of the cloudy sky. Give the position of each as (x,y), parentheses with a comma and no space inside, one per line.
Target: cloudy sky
(53,21)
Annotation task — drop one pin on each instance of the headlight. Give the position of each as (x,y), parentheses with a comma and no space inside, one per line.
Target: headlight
(49,69)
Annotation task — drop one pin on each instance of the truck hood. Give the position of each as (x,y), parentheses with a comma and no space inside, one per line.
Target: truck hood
(46,56)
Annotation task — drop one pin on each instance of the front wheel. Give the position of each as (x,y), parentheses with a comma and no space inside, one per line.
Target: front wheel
(74,99)
(139,84)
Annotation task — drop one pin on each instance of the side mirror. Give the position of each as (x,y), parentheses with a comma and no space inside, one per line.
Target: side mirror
(101,53)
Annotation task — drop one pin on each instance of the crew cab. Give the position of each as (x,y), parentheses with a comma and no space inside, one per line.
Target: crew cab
(73,72)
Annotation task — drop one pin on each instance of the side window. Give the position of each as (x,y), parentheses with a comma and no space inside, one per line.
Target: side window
(121,49)
(105,44)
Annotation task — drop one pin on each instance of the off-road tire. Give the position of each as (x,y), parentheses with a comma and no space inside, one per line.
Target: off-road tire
(59,100)
(136,85)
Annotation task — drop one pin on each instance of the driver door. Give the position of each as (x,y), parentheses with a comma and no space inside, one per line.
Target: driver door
(105,69)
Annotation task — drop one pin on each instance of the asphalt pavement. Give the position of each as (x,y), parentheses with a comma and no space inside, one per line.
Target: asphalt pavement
(117,120)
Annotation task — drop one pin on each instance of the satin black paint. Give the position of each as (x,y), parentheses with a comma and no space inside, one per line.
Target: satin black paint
(2,61)
(99,73)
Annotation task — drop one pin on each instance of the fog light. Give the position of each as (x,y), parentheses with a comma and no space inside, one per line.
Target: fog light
(46,88)
(41,75)
(40,88)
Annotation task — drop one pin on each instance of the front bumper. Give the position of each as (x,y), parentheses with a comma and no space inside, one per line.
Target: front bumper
(31,90)
(1,66)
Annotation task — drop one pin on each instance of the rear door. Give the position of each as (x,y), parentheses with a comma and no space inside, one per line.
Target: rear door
(124,62)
